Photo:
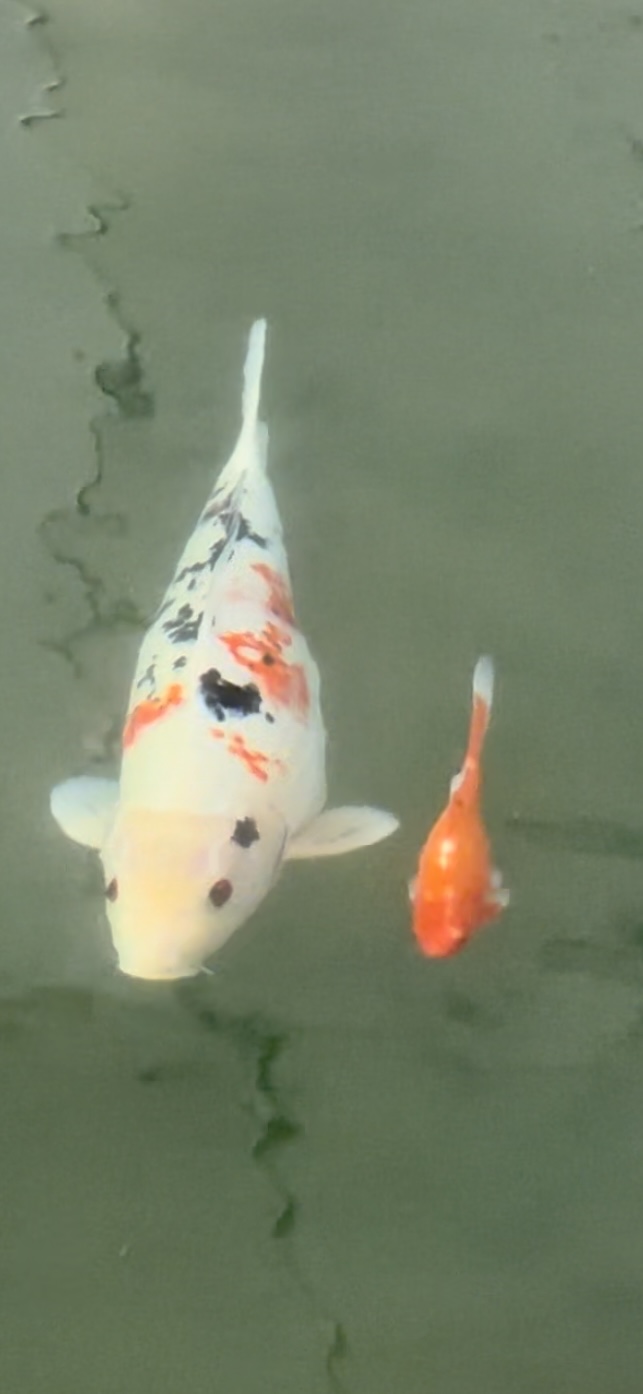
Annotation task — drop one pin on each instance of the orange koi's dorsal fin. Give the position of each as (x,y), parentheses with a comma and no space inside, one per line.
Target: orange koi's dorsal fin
(480,714)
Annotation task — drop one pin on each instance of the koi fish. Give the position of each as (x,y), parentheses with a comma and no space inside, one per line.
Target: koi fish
(456,888)
(222,774)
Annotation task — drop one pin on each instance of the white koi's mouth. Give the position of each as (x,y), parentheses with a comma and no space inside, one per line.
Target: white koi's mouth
(156,972)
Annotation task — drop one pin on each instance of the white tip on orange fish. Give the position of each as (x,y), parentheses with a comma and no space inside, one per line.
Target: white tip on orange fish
(223,762)
(456,888)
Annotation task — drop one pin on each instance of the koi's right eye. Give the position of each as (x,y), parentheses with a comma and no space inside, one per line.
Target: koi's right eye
(111,890)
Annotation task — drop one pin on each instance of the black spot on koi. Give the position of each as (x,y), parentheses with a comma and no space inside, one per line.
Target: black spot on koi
(244,530)
(183,628)
(215,552)
(148,676)
(217,507)
(246,832)
(194,569)
(220,893)
(227,512)
(222,697)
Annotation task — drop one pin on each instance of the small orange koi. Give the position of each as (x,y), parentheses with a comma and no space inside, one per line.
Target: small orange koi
(457,889)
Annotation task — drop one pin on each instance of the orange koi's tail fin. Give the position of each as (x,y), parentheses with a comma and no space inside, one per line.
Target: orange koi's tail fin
(480,714)
(482,701)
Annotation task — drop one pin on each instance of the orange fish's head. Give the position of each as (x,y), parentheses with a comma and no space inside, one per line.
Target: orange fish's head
(443,925)
(439,928)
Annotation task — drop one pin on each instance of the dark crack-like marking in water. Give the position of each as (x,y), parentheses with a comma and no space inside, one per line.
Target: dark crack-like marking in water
(103,614)
(40,23)
(121,381)
(132,401)
(263,1046)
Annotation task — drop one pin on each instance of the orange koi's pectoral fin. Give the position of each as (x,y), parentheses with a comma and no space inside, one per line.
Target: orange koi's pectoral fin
(498,897)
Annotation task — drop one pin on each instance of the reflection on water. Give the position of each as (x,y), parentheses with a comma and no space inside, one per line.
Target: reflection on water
(333,1165)
(590,837)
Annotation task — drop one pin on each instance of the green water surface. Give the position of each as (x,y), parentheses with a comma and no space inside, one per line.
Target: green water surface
(334,1165)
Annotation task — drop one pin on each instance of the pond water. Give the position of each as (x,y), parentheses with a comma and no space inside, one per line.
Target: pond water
(333,1165)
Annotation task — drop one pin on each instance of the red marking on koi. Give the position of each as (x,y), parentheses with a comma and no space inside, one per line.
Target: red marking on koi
(280,601)
(262,655)
(152,709)
(255,760)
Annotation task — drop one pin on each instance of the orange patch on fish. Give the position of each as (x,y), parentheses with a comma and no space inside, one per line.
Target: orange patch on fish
(149,711)
(255,760)
(457,889)
(262,655)
(280,601)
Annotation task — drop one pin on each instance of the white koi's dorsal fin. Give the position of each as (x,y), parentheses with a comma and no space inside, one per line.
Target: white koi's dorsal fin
(84,808)
(341,830)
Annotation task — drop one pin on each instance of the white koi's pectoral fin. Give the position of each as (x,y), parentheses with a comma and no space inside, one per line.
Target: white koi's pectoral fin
(84,808)
(341,830)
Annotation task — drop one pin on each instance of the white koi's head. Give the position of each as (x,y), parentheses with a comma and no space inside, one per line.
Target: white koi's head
(179,884)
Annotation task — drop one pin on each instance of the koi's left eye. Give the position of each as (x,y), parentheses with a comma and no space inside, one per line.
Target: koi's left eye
(111,889)
(219,893)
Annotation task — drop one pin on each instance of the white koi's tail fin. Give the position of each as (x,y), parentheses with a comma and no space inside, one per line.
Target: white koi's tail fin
(251,449)
(252,374)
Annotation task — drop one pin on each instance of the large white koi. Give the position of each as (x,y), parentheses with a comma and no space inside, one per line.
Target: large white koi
(223,763)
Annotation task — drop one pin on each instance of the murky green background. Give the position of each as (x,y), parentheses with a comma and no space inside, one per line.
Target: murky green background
(334,1166)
